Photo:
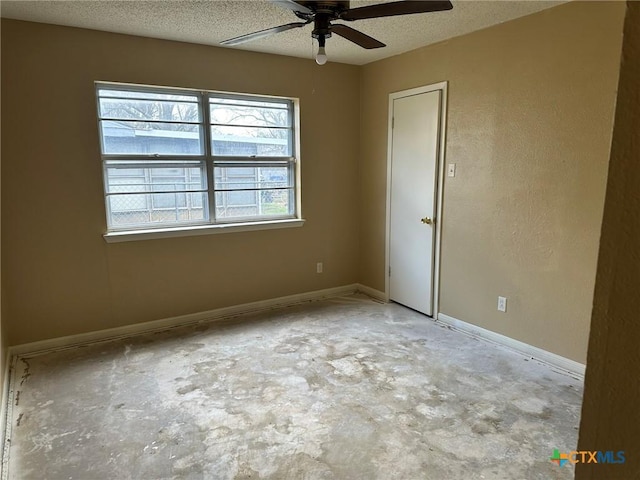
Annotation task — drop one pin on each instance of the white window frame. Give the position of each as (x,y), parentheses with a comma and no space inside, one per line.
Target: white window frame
(209,225)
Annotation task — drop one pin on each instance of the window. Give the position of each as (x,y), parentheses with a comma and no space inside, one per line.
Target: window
(177,158)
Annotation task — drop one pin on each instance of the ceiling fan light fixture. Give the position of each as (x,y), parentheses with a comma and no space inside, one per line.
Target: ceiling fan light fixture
(321,56)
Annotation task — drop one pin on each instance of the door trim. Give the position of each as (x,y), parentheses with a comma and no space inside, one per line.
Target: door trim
(442,87)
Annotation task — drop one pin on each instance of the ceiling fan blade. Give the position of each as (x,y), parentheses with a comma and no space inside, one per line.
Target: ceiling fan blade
(359,38)
(291,5)
(262,33)
(396,8)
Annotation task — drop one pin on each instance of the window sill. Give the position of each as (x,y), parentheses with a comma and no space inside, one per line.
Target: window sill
(135,235)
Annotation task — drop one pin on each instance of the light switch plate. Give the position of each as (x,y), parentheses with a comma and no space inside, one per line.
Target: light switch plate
(451,172)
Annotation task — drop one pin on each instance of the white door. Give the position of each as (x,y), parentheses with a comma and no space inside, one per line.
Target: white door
(414,154)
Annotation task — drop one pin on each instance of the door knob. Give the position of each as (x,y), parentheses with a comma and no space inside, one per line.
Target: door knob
(426,220)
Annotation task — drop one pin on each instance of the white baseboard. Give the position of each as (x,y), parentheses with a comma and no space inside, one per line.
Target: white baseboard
(572,367)
(373,293)
(5,409)
(179,321)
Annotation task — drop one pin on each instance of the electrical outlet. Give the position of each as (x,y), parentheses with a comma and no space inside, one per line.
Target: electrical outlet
(319,267)
(502,304)
(452,170)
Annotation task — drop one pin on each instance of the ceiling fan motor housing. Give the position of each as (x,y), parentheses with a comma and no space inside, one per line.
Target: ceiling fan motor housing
(335,7)
(323,12)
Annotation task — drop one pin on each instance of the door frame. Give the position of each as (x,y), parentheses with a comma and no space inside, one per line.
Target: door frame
(440,164)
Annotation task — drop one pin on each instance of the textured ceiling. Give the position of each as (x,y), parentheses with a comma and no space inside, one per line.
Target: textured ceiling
(209,22)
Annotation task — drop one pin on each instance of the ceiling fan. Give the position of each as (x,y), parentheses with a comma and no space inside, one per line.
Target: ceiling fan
(323,12)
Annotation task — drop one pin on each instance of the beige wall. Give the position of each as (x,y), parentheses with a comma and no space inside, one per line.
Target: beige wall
(61,278)
(529,126)
(610,412)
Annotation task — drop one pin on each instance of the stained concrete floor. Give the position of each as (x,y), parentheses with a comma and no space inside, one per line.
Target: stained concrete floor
(345,388)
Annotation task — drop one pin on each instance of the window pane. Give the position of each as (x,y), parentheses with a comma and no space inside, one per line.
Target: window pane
(253,203)
(233,178)
(132,137)
(249,115)
(246,102)
(250,141)
(145,209)
(140,180)
(146,95)
(149,110)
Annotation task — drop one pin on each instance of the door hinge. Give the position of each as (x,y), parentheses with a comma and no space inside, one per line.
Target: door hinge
(389,270)
(393,122)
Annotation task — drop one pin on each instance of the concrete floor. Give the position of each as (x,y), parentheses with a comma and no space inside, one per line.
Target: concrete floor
(345,388)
